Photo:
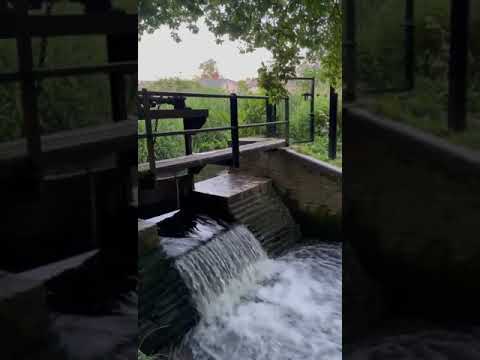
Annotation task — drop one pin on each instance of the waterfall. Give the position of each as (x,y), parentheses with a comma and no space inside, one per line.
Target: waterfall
(220,264)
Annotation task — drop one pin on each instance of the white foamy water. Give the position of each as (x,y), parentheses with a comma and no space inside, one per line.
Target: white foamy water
(283,309)
(220,266)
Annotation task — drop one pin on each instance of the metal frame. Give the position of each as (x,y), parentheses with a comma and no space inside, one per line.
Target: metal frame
(458,62)
(146,97)
(312,103)
(21,26)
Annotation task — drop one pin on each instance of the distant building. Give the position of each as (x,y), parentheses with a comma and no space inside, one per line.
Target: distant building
(225,84)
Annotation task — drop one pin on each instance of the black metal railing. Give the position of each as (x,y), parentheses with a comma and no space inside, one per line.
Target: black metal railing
(458,57)
(148,111)
(18,24)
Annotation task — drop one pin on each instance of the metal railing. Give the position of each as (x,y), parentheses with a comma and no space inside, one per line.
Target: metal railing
(18,24)
(149,99)
(458,57)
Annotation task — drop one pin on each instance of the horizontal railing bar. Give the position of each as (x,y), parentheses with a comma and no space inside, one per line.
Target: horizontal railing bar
(200,95)
(174,114)
(9,77)
(262,124)
(196,131)
(153,94)
(124,67)
(62,25)
(184,132)
(301,78)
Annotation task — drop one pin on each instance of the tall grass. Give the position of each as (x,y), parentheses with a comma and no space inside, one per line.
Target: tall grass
(249,111)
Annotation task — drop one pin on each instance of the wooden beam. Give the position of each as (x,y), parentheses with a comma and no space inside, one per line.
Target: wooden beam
(175,114)
(122,67)
(78,143)
(65,25)
(200,159)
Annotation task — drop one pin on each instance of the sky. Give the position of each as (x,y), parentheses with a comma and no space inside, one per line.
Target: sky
(159,56)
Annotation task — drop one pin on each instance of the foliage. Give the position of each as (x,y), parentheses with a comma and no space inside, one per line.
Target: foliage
(286,28)
(209,70)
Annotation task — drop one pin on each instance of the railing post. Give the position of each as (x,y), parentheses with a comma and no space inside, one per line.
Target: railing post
(235,136)
(349,64)
(31,125)
(148,129)
(269,110)
(287,121)
(312,111)
(457,82)
(274,118)
(332,124)
(409,44)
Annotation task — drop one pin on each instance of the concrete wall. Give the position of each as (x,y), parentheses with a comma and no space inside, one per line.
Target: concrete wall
(412,209)
(310,188)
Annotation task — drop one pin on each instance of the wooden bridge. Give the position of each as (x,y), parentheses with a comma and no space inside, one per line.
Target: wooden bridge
(193,120)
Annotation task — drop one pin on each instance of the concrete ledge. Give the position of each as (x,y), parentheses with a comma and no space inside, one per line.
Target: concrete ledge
(23,315)
(147,236)
(310,188)
(411,207)
(322,167)
(457,157)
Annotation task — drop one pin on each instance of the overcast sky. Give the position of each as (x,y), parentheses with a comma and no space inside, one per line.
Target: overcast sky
(160,56)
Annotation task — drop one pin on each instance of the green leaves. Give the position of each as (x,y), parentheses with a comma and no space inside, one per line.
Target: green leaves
(285,27)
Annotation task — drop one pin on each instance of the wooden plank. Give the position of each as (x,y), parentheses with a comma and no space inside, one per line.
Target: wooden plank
(175,114)
(64,25)
(200,159)
(119,67)
(101,138)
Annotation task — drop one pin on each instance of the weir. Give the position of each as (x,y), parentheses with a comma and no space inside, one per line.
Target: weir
(220,241)
(214,249)
(190,258)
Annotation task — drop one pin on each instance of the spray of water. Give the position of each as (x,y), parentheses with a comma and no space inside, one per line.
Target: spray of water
(257,308)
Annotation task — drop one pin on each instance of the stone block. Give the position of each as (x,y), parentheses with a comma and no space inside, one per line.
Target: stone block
(147,236)
(23,315)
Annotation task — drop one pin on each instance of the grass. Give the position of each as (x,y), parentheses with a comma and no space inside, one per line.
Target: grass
(425,108)
(319,150)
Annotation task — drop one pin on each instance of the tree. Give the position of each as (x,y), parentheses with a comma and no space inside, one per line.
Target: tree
(209,70)
(285,27)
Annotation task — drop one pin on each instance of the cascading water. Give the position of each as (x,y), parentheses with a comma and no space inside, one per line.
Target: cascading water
(212,270)
(256,308)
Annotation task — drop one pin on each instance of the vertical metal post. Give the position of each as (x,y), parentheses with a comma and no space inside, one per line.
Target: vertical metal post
(119,48)
(349,61)
(332,124)
(457,92)
(31,126)
(269,118)
(410,44)
(234,130)
(148,128)
(287,121)
(274,119)
(312,110)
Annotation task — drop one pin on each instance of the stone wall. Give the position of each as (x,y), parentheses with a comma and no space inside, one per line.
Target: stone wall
(412,209)
(311,189)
